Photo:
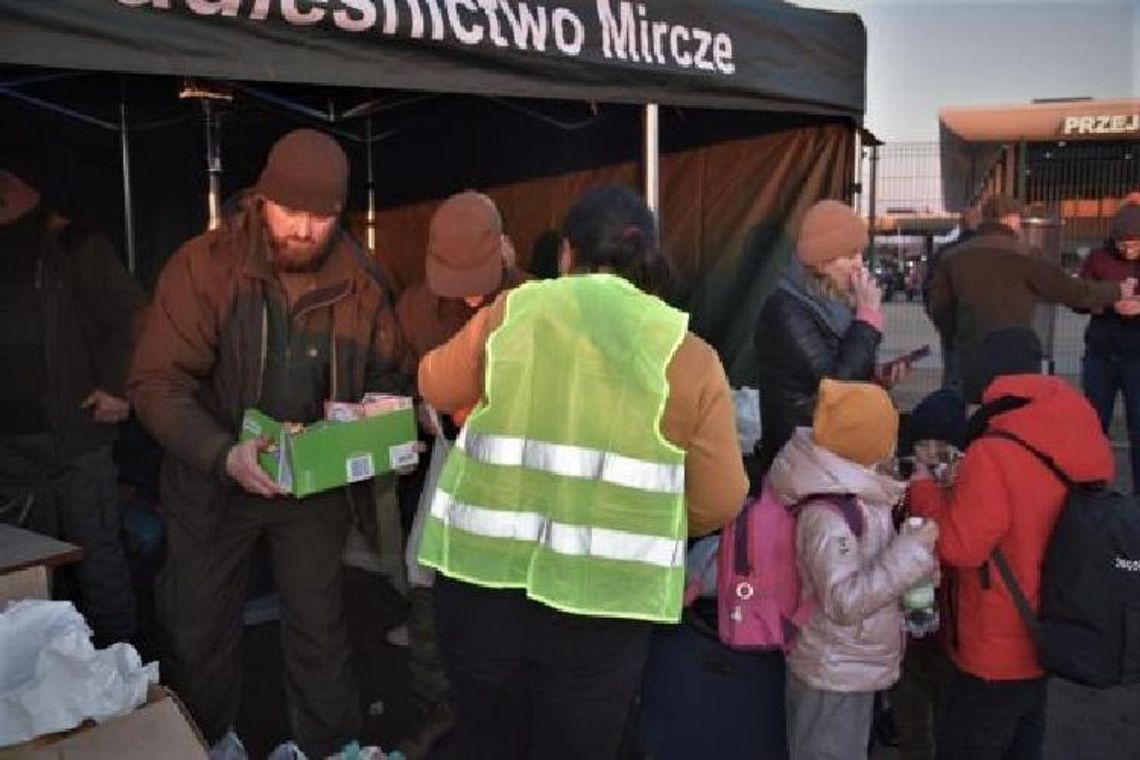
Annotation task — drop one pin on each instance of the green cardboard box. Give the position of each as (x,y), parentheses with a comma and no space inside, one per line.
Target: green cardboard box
(328,455)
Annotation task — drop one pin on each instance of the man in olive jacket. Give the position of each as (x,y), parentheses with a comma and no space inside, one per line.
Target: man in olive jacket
(67,307)
(274,311)
(994,281)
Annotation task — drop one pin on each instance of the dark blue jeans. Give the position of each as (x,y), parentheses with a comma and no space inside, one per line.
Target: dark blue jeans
(76,500)
(1105,376)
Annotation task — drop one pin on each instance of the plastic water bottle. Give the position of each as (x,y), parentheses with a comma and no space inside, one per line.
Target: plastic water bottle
(920,612)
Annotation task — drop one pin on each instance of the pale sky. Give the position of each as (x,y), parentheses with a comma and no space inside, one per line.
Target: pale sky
(926,54)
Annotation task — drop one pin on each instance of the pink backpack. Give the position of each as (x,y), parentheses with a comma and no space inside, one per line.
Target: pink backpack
(758,583)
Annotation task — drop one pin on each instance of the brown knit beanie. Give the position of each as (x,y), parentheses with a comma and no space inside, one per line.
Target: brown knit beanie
(465,247)
(306,171)
(855,421)
(830,230)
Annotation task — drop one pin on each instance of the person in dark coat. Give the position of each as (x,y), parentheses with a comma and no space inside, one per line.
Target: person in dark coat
(995,281)
(967,231)
(1111,364)
(67,310)
(823,320)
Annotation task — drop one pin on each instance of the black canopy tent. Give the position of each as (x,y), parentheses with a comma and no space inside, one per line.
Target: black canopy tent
(458,93)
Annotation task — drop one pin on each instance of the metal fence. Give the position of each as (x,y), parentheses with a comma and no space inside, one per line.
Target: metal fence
(1081,184)
(1076,187)
(908,180)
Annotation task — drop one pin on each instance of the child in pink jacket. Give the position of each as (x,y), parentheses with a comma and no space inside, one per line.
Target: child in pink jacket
(853,567)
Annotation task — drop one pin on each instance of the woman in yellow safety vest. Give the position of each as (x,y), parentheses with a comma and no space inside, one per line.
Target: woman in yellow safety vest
(602,437)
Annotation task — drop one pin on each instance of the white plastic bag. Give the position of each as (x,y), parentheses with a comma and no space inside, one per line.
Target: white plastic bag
(418,575)
(747,404)
(52,678)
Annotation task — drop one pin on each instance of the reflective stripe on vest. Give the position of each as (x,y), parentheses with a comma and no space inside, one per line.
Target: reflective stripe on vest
(573,462)
(571,540)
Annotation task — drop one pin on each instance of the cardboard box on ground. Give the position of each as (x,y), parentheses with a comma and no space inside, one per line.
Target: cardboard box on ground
(356,442)
(160,728)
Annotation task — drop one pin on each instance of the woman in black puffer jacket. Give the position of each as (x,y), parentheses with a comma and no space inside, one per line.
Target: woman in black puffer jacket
(823,320)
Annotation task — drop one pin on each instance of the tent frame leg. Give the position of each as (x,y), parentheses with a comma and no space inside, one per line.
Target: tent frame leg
(370,223)
(128,196)
(213,165)
(652,157)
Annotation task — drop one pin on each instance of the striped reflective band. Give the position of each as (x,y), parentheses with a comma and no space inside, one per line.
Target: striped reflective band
(572,540)
(573,462)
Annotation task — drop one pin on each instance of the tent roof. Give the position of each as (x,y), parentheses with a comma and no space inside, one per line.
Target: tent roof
(733,54)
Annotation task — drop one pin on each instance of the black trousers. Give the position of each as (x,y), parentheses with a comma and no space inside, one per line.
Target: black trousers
(76,500)
(201,596)
(530,682)
(918,696)
(992,720)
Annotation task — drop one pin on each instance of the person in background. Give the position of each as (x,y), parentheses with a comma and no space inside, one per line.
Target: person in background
(67,315)
(824,319)
(967,230)
(1111,364)
(937,427)
(603,436)
(994,281)
(852,565)
(273,311)
(1004,497)
(466,268)
(544,255)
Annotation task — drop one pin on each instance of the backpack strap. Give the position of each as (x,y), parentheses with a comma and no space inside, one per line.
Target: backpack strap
(845,505)
(1041,455)
(1024,610)
(1019,598)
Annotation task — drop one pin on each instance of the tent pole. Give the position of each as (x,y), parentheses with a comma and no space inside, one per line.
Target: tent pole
(872,212)
(213,166)
(652,158)
(371,220)
(128,204)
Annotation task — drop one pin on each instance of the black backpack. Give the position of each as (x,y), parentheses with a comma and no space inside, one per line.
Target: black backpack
(1088,629)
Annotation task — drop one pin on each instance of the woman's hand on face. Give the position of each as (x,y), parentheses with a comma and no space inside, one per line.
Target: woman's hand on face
(865,290)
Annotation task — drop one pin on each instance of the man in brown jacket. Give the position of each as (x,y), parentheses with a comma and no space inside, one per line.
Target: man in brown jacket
(466,268)
(275,311)
(995,281)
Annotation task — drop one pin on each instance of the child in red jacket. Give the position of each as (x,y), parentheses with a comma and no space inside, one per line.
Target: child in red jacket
(1004,497)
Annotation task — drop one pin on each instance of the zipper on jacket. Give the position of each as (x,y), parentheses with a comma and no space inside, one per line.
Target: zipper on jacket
(264,356)
(332,360)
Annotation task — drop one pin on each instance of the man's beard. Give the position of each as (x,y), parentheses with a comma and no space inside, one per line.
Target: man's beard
(298,255)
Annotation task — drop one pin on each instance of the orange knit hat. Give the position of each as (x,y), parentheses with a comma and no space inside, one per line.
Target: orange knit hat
(856,421)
